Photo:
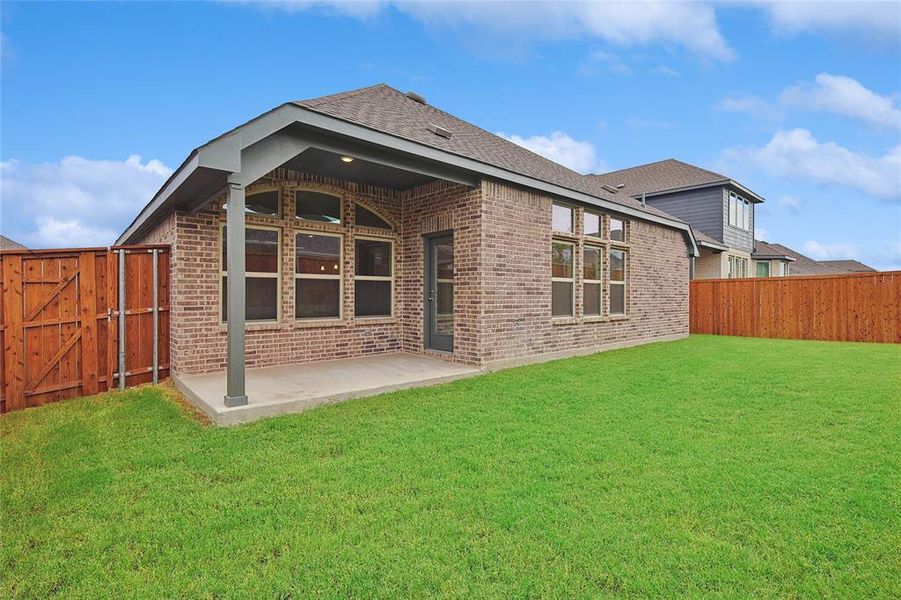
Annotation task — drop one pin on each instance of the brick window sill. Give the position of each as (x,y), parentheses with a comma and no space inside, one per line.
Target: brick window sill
(564,320)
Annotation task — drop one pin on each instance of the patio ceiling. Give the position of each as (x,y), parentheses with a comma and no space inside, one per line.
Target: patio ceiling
(329,164)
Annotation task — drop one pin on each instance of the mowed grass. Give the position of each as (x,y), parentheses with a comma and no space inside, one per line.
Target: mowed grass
(710,466)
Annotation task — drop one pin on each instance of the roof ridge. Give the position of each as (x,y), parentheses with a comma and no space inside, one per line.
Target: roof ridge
(328,98)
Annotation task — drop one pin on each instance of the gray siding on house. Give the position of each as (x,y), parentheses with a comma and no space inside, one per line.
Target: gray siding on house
(703,209)
(707,210)
(733,236)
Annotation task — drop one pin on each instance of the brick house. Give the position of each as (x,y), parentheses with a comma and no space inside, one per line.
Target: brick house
(373,223)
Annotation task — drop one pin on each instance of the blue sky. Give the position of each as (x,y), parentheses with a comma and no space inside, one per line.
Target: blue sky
(799,101)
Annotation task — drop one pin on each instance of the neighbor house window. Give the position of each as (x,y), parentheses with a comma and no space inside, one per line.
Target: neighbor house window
(562,219)
(317,276)
(317,206)
(562,278)
(739,211)
(261,261)
(373,277)
(617,282)
(261,203)
(592,224)
(592,288)
(617,230)
(738,267)
(368,218)
(763,268)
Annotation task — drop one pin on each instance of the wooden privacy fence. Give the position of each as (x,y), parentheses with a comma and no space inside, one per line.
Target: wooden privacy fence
(62,329)
(858,307)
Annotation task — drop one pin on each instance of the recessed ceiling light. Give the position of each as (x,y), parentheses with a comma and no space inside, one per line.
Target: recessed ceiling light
(347,159)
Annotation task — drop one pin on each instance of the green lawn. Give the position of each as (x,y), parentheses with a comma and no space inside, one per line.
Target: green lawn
(710,466)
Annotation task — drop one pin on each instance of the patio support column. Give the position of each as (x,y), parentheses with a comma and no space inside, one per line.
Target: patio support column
(235,394)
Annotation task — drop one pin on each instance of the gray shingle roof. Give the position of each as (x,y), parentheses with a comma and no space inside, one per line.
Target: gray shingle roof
(664,175)
(766,250)
(8,244)
(703,238)
(850,266)
(387,110)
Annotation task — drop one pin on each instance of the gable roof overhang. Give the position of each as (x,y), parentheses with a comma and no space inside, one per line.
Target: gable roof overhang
(737,187)
(250,149)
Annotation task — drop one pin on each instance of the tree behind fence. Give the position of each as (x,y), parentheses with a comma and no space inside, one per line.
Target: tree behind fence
(59,322)
(859,307)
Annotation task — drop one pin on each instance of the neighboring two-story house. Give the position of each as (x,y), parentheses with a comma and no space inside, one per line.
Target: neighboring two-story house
(719,209)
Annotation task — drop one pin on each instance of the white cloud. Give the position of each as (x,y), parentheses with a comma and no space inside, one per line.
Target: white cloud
(832,251)
(691,25)
(760,233)
(664,71)
(76,202)
(793,204)
(883,256)
(610,61)
(845,96)
(796,154)
(563,149)
(752,105)
(878,19)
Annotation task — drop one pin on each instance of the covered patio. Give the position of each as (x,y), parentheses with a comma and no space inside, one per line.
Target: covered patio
(293,388)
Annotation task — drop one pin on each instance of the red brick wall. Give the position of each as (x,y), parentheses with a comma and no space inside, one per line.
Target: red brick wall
(516,301)
(502,241)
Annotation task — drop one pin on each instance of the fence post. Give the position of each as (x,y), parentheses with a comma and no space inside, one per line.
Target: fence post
(156,316)
(122,318)
(14,335)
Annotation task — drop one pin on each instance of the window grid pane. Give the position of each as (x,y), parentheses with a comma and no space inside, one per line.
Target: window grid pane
(562,218)
(562,260)
(317,206)
(592,225)
(317,254)
(617,230)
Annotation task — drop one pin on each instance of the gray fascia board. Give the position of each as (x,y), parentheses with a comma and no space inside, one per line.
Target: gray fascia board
(178,177)
(687,188)
(286,114)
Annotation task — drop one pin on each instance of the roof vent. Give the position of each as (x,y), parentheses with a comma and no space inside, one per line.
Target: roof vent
(609,188)
(440,131)
(416,97)
(620,186)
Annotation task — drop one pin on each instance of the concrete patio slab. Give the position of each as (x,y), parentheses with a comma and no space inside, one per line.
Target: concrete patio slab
(294,388)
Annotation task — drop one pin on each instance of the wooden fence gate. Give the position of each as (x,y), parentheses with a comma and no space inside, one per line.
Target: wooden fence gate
(76,322)
(857,307)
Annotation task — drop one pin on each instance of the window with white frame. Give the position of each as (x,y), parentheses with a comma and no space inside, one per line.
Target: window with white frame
(562,218)
(739,211)
(763,268)
(562,278)
(617,282)
(317,275)
(738,267)
(373,277)
(261,266)
(592,283)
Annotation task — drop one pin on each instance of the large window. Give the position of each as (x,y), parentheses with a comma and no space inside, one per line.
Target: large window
(562,278)
(261,203)
(763,268)
(317,276)
(261,260)
(373,277)
(562,219)
(617,282)
(592,224)
(739,211)
(317,206)
(592,289)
